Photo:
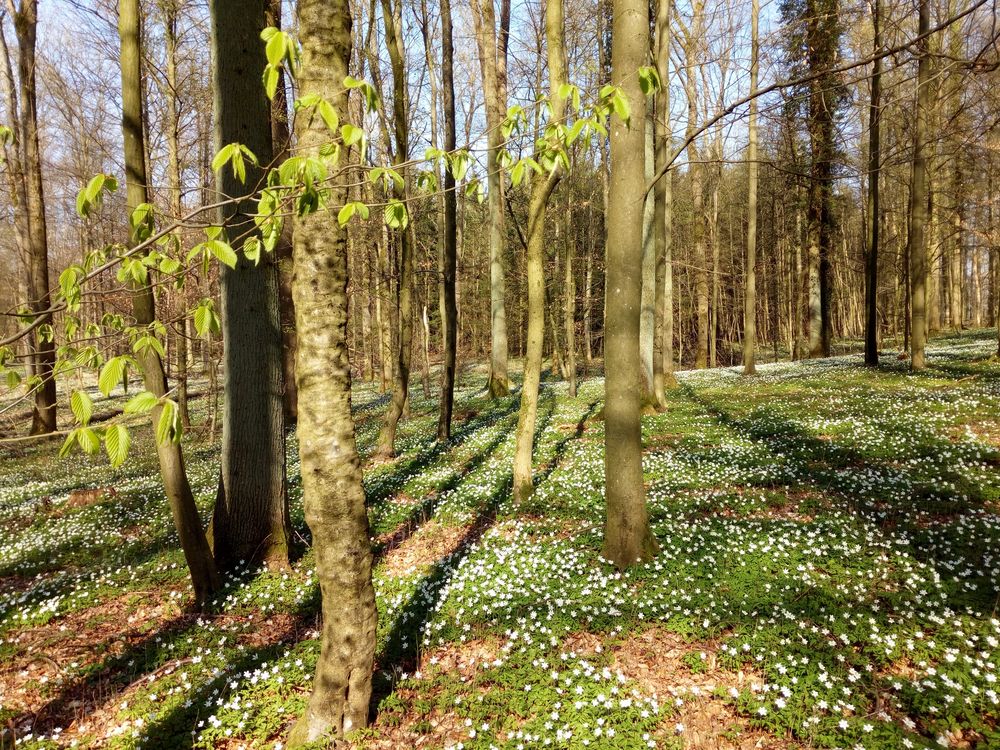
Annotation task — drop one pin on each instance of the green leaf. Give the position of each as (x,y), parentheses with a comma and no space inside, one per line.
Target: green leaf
(111,374)
(141,403)
(205,319)
(81,406)
(222,252)
(88,440)
(117,441)
(351,134)
(649,80)
(168,427)
(329,114)
(276,48)
(270,80)
(68,444)
(395,215)
(146,344)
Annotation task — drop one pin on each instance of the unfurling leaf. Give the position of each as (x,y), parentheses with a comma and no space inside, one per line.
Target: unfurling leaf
(117,441)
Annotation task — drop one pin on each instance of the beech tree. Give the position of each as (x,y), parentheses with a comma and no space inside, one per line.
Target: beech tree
(204,575)
(627,536)
(250,522)
(333,494)
(552,157)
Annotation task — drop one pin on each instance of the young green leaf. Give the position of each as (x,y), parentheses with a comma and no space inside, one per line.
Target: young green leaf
(81,406)
(117,441)
(141,403)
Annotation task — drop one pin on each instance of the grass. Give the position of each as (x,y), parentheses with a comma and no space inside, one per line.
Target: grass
(828,577)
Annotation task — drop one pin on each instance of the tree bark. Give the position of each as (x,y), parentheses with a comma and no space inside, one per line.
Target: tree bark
(392,17)
(750,294)
(541,189)
(916,243)
(333,494)
(493,64)
(281,141)
(663,348)
(627,537)
(251,521)
(449,254)
(874,178)
(204,575)
(43,415)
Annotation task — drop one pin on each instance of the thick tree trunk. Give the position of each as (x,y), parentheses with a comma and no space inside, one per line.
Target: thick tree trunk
(916,243)
(331,470)
(627,536)
(449,253)
(251,522)
(204,576)
(541,190)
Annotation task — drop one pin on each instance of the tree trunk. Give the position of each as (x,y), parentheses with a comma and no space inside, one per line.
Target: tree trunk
(172,95)
(204,576)
(916,244)
(750,298)
(250,522)
(647,312)
(281,143)
(333,494)
(663,348)
(874,178)
(541,189)
(392,18)
(570,292)
(43,415)
(700,258)
(627,536)
(449,255)
(493,64)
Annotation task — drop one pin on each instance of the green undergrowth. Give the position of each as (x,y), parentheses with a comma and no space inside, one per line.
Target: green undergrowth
(828,529)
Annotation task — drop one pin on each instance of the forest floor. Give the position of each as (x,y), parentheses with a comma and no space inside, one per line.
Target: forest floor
(828,577)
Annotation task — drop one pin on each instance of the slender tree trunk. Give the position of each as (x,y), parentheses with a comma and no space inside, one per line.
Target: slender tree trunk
(43,416)
(251,520)
(700,257)
(281,144)
(916,244)
(204,576)
(569,241)
(663,355)
(874,207)
(392,17)
(333,493)
(493,63)
(647,312)
(449,254)
(750,299)
(541,189)
(627,536)
(172,94)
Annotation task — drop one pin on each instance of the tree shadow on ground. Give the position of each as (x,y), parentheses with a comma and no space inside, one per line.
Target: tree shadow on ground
(921,519)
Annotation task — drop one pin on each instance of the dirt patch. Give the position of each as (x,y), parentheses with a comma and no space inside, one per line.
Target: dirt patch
(426,546)
(687,673)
